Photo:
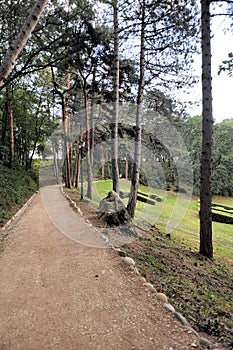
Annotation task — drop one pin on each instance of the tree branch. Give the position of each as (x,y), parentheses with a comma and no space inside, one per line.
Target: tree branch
(21,40)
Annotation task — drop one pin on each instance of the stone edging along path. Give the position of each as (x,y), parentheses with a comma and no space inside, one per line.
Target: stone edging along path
(130,263)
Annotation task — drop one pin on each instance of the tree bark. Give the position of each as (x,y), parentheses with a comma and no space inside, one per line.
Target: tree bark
(9,97)
(55,162)
(108,165)
(64,95)
(206,246)
(92,122)
(131,207)
(102,162)
(114,125)
(3,132)
(76,174)
(66,122)
(88,148)
(19,43)
(126,169)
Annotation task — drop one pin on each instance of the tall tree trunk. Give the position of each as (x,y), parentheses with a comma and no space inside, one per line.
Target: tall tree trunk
(88,147)
(66,126)
(131,207)
(19,43)
(102,162)
(55,161)
(3,133)
(206,247)
(114,124)
(64,95)
(9,97)
(38,127)
(108,164)
(92,122)
(77,165)
(126,169)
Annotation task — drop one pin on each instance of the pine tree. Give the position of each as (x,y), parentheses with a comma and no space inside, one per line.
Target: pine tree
(206,246)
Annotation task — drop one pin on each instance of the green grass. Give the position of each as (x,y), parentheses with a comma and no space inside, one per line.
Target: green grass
(199,288)
(181,214)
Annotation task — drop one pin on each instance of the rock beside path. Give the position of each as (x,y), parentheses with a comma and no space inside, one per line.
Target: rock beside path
(112,210)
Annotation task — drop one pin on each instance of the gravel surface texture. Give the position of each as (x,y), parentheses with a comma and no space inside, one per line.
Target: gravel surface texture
(58,293)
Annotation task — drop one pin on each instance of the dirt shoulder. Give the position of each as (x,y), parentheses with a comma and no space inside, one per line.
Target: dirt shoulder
(59,294)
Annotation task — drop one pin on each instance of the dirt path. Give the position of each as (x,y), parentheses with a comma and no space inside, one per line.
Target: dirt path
(59,294)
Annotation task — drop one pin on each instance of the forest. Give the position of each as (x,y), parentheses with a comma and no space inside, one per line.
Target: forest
(91,64)
(88,99)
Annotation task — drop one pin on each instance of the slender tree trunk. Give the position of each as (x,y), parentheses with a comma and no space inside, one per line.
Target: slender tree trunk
(126,169)
(114,125)
(92,122)
(3,133)
(108,163)
(38,131)
(64,95)
(77,166)
(19,43)
(88,148)
(9,97)
(206,247)
(67,133)
(131,207)
(78,160)
(55,162)
(102,162)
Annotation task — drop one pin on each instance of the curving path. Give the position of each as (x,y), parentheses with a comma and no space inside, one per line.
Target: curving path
(57,293)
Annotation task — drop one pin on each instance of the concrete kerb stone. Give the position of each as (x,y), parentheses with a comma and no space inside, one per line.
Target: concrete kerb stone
(131,265)
(13,220)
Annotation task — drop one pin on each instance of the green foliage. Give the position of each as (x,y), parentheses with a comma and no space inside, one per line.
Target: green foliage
(191,132)
(227,65)
(223,159)
(222,153)
(16,186)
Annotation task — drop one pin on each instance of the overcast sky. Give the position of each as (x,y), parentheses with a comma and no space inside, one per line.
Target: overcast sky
(222,44)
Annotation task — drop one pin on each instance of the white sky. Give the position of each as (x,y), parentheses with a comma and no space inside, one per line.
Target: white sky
(222,44)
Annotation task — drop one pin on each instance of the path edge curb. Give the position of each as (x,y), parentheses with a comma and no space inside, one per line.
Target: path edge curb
(130,263)
(4,231)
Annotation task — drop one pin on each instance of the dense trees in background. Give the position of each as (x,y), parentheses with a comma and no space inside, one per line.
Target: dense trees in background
(81,66)
(76,39)
(191,131)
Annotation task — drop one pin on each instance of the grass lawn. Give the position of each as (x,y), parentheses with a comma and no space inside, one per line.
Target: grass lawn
(199,288)
(176,215)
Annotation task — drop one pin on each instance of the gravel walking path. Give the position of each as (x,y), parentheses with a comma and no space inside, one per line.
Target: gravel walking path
(62,289)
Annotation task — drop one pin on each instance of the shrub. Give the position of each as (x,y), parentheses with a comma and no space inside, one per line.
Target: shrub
(16,186)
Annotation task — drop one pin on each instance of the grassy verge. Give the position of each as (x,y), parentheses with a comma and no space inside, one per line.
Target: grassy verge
(200,289)
(178,216)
